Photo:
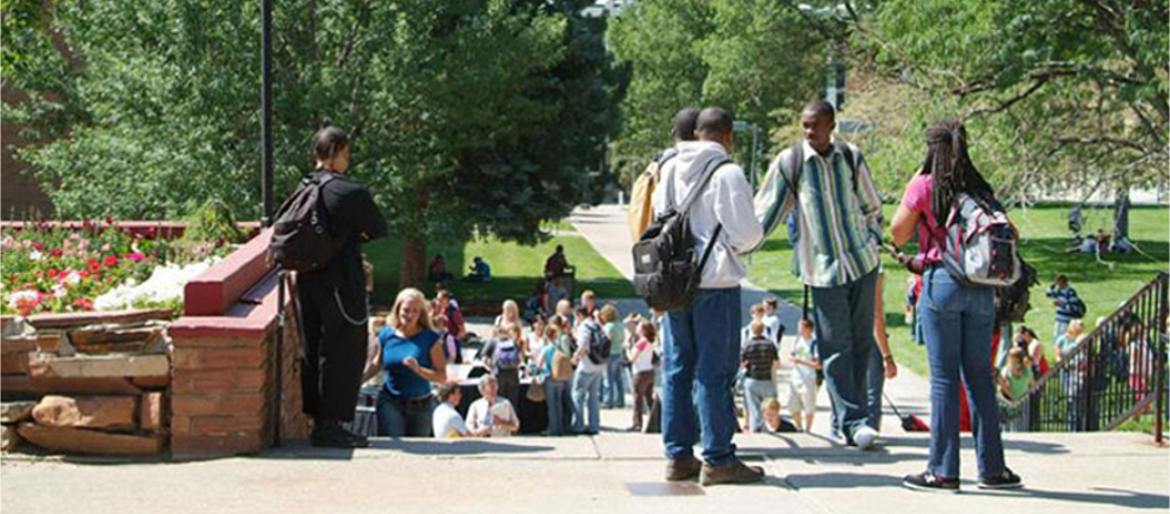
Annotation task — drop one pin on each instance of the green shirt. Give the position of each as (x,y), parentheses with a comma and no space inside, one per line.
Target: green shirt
(617,336)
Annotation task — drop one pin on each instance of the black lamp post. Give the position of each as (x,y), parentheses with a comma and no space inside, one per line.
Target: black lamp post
(266,110)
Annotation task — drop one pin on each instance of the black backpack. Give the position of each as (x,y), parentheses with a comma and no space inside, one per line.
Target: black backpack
(599,344)
(667,272)
(301,237)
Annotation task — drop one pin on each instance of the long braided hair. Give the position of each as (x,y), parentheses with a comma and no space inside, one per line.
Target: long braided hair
(950,164)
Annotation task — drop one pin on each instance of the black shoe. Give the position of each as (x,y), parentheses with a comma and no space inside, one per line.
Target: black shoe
(927,481)
(734,473)
(1006,480)
(329,434)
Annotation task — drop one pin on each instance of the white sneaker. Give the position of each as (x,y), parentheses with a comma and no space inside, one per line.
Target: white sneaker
(865,438)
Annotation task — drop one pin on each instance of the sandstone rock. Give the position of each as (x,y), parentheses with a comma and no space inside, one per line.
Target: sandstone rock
(9,438)
(79,440)
(14,412)
(13,364)
(77,319)
(95,366)
(150,412)
(30,387)
(103,339)
(91,411)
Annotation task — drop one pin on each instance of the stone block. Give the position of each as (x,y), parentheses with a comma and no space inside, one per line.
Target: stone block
(98,366)
(15,412)
(104,339)
(150,412)
(93,442)
(86,411)
(77,319)
(25,386)
(9,438)
(18,344)
(248,404)
(13,364)
(50,341)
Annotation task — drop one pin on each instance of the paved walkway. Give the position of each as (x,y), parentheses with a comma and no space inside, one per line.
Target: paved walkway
(606,229)
(613,473)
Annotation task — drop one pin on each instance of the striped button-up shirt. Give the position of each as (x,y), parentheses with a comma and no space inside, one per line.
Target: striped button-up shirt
(840,221)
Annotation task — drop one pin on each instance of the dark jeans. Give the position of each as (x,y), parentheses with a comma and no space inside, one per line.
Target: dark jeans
(398,417)
(875,382)
(844,330)
(958,322)
(613,391)
(701,355)
(643,396)
(560,406)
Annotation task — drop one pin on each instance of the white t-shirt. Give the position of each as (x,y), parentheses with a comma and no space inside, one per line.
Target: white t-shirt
(479,415)
(772,321)
(644,360)
(802,349)
(448,424)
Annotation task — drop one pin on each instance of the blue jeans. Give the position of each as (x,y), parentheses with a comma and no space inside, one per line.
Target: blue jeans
(1060,329)
(560,406)
(399,418)
(615,382)
(844,330)
(754,394)
(587,393)
(876,381)
(701,354)
(958,322)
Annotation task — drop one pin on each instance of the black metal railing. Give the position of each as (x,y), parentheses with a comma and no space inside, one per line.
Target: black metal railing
(1115,373)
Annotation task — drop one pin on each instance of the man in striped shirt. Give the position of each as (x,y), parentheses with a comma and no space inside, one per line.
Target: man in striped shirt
(828,185)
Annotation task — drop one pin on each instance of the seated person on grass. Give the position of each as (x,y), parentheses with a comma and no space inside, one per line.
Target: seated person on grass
(481,271)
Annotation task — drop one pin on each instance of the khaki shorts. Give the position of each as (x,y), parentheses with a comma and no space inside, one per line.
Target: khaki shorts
(803,396)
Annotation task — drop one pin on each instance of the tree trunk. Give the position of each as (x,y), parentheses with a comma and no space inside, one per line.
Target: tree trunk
(414,263)
(1121,215)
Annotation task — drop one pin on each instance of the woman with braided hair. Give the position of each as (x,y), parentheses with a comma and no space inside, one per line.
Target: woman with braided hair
(957,320)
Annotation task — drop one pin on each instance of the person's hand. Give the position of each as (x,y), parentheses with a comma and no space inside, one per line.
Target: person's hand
(891,367)
(482,432)
(411,363)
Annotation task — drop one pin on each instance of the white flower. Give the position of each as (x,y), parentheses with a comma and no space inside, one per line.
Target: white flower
(165,283)
(27,295)
(73,277)
(59,290)
(35,255)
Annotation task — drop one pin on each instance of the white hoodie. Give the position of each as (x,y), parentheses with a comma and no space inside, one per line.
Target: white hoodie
(727,200)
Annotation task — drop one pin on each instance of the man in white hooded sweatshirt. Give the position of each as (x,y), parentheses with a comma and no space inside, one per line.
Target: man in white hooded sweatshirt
(701,341)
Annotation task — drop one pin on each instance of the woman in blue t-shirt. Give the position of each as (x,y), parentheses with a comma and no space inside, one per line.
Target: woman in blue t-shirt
(413,360)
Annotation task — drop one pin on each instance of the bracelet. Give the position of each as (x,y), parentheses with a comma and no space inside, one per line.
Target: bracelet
(889,357)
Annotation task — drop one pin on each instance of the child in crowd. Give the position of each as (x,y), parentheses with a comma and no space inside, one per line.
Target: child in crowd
(772,318)
(448,424)
(1067,341)
(773,423)
(1016,377)
(491,414)
(802,402)
(641,357)
(760,360)
(745,334)
(589,301)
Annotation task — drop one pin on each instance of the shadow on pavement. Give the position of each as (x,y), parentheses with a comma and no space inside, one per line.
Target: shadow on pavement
(1039,447)
(1129,499)
(428,447)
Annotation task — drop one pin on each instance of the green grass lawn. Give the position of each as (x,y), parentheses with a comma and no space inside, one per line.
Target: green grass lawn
(515,268)
(1044,235)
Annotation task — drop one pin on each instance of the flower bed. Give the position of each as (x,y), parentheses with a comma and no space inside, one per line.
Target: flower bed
(48,268)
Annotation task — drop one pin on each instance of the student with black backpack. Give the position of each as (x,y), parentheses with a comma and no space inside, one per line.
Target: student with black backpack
(318,233)
(710,196)
(590,357)
(957,303)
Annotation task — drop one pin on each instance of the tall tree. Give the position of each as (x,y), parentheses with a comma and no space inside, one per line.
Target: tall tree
(1078,89)
(455,107)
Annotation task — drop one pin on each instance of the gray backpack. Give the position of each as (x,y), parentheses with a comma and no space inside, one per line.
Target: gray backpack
(981,247)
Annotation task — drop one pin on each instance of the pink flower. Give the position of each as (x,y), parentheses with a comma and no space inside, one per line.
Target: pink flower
(135,256)
(106,247)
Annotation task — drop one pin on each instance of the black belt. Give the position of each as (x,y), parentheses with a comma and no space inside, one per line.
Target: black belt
(409,402)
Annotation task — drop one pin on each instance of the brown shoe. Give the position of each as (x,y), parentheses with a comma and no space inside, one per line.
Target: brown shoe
(684,468)
(735,473)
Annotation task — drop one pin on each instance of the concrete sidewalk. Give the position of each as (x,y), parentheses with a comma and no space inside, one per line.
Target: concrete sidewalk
(612,472)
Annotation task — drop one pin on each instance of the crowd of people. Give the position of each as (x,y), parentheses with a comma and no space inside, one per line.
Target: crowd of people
(582,358)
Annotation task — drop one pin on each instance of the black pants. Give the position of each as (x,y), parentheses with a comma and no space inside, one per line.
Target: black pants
(508,381)
(335,343)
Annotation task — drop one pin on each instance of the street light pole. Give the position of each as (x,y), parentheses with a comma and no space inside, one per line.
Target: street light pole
(266,110)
